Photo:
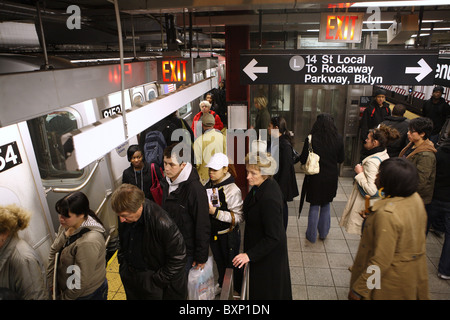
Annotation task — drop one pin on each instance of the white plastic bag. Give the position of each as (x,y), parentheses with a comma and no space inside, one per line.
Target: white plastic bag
(201,282)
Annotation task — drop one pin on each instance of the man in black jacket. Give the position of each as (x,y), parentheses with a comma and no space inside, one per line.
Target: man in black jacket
(152,253)
(186,201)
(373,115)
(437,110)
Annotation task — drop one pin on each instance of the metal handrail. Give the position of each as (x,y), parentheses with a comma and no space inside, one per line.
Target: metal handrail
(245,283)
(81,186)
(228,287)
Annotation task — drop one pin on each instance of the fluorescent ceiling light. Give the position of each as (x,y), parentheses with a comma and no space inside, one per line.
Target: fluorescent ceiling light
(422,35)
(400,3)
(392,21)
(366,30)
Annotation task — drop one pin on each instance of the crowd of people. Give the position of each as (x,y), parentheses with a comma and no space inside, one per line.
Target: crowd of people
(175,211)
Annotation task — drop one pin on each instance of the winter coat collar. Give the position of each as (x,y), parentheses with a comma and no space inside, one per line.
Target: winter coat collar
(228,179)
(427,145)
(185,175)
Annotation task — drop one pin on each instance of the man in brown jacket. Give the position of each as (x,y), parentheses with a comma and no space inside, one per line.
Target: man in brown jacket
(421,152)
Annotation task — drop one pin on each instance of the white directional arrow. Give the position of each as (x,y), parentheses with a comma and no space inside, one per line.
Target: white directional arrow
(250,70)
(422,71)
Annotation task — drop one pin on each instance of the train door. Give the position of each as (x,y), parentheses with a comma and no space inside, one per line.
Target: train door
(21,184)
(95,180)
(300,105)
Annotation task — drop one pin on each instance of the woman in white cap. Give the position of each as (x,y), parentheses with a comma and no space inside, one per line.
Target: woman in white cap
(225,214)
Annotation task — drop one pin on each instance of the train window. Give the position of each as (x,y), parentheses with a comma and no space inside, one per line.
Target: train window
(185,110)
(151,94)
(46,132)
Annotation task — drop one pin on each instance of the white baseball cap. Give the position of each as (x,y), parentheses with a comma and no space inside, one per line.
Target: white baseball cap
(218,161)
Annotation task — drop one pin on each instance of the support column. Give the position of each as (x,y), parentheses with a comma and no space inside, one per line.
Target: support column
(236,38)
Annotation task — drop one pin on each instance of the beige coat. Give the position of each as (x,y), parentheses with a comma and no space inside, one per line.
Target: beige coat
(209,143)
(21,270)
(394,241)
(351,218)
(88,253)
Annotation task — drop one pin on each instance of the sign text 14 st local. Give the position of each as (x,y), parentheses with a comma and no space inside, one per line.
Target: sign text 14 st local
(338,69)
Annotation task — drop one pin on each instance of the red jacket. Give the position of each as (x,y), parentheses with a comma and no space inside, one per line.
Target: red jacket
(218,125)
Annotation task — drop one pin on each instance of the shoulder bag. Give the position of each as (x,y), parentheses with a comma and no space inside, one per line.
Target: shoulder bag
(311,166)
(156,188)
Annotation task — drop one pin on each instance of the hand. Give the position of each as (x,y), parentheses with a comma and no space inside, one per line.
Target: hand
(240,260)
(359,168)
(197,266)
(363,214)
(212,209)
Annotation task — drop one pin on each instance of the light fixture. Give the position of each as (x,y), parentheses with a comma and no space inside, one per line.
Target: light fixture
(417,3)
(422,35)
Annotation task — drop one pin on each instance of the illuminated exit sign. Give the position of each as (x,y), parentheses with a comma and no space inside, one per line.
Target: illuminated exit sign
(174,70)
(341,27)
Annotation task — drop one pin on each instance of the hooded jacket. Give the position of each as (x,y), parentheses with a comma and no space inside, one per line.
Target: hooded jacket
(21,270)
(187,204)
(423,157)
(88,253)
(230,213)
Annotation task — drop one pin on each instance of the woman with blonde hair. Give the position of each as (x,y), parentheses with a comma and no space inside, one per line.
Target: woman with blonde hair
(21,269)
(265,242)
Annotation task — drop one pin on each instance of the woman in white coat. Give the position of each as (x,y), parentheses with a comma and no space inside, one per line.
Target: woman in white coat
(366,172)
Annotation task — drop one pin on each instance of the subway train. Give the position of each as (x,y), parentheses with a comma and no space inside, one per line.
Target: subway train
(43,110)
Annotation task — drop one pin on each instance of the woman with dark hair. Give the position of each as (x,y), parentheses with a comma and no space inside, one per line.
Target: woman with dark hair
(139,172)
(421,152)
(79,251)
(366,172)
(282,152)
(393,242)
(320,189)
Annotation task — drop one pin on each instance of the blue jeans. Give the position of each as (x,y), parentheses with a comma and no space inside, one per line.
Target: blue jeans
(318,221)
(439,212)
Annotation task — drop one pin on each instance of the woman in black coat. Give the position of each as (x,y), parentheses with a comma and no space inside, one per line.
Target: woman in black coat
(320,189)
(285,175)
(265,243)
(139,172)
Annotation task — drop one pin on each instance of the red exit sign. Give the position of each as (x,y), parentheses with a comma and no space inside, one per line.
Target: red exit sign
(174,70)
(341,27)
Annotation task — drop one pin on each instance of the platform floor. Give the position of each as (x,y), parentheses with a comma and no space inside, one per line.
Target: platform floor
(319,271)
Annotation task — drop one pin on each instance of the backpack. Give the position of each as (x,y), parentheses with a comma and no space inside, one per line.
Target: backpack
(154,145)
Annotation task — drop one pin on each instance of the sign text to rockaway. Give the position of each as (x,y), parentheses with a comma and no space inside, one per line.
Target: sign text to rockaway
(362,67)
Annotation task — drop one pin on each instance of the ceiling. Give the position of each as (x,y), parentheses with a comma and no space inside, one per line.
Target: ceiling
(165,25)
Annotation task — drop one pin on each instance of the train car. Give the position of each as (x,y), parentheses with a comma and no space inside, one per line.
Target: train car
(42,110)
